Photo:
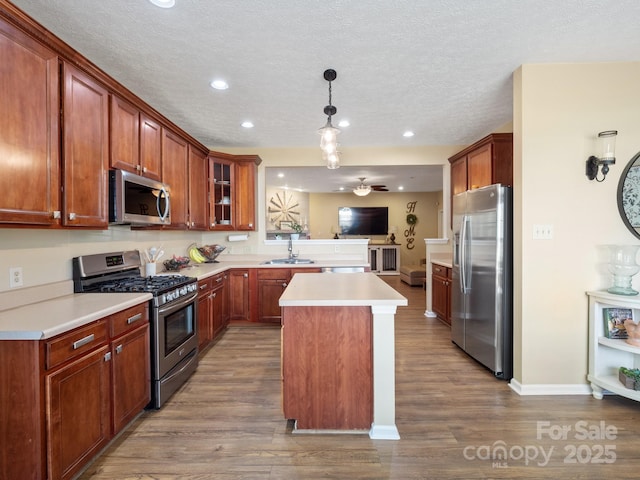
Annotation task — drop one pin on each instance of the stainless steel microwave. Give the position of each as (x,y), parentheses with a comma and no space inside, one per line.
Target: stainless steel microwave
(137,200)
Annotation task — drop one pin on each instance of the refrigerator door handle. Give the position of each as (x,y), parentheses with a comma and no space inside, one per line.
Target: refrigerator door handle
(463,255)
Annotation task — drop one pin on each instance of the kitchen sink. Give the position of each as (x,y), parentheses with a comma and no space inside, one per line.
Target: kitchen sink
(287,261)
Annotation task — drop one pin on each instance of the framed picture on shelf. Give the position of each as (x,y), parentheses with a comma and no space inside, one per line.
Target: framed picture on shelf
(614,319)
(285,226)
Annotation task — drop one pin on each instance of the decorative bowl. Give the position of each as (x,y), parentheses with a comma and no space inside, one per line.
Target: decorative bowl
(211,252)
(176,263)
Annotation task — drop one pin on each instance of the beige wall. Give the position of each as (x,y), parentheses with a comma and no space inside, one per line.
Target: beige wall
(558,111)
(324,215)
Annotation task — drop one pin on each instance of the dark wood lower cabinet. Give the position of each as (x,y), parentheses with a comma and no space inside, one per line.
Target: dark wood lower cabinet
(441,292)
(271,284)
(327,367)
(64,398)
(239,294)
(213,311)
(131,376)
(78,423)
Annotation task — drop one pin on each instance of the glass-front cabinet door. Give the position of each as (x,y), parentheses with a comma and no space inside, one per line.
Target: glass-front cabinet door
(221,190)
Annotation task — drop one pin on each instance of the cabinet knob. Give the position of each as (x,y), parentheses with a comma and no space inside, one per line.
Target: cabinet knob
(72,216)
(119,349)
(55,214)
(284,284)
(214,294)
(245,275)
(138,168)
(107,356)
(251,225)
(144,169)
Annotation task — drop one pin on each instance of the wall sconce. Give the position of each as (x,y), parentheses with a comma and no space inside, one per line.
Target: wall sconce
(606,155)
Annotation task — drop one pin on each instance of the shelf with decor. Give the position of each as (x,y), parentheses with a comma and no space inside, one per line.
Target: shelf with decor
(607,355)
(285,235)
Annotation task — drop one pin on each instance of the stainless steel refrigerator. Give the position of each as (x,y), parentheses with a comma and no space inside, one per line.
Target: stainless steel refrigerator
(481,290)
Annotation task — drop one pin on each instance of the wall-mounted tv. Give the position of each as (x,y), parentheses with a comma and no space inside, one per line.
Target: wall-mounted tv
(363,220)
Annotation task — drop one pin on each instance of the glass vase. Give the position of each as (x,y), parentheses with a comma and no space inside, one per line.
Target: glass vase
(623,266)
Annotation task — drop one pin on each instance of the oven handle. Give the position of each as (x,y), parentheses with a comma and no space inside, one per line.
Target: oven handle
(182,369)
(177,306)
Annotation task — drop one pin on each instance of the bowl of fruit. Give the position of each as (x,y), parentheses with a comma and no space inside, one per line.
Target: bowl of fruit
(176,263)
(204,254)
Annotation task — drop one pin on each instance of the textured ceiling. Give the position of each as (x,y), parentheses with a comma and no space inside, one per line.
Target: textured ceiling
(442,68)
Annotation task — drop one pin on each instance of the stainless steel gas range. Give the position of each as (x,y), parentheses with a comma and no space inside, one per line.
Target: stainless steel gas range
(174,340)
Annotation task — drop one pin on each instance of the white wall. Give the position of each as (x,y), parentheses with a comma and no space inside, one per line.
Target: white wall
(558,111)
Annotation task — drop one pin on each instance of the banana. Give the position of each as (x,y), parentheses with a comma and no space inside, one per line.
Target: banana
(195,255)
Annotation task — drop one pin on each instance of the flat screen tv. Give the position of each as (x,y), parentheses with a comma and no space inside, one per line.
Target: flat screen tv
(363,220)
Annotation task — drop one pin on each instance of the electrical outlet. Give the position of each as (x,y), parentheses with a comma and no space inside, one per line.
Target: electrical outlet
(15,277)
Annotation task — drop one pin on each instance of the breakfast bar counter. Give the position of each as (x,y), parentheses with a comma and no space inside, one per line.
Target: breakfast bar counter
(338,353)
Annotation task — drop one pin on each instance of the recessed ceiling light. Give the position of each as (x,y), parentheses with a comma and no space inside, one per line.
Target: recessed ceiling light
(281,175)
(344,123)
(247,124)
(400,187)
(341,189)
(163,3)
(408,134)
(219,84)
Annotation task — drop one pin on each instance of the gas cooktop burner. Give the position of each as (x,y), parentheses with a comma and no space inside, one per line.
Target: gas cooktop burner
(143,284)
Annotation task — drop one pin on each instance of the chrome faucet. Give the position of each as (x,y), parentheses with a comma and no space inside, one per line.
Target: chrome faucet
(290,248)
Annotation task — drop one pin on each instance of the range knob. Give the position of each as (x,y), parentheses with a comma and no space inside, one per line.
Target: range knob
(183,291)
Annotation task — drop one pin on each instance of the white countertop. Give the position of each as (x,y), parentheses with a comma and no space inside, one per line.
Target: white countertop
(444,263)
(339,289)
(47,319)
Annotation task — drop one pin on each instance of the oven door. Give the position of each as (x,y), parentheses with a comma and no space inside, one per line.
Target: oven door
(175,334)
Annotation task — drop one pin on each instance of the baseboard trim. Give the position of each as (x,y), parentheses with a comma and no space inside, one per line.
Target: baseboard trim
(549,389)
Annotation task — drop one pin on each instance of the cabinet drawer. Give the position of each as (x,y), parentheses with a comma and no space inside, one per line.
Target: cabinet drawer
(439,270)
(204,286)
(75,343)
(129,319)
(217,281)
(274,273)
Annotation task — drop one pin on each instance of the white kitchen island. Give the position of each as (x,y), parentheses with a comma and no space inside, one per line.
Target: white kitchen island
(338,353)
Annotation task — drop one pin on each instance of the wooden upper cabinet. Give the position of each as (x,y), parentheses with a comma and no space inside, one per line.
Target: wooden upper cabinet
(124,135)
(29,131)
(197,189)
(245,192)
(85,150)
(458,177)
(175,157)
(150,147)
(221,189)
(486,162)
(136,140)
(232,191)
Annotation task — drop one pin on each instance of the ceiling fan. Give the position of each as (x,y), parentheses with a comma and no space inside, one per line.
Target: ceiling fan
(364,189)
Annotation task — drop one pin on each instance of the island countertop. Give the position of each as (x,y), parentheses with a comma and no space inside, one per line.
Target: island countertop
(339,289)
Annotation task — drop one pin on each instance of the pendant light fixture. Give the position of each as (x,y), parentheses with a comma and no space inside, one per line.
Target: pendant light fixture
(329,133)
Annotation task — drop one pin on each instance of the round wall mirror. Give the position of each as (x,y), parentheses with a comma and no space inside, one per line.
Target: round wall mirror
(629,195)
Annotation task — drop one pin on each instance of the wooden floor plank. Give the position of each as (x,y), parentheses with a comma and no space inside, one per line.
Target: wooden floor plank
(226,422)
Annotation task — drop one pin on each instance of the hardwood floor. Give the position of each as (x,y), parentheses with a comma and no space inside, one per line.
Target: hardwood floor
(227,423)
